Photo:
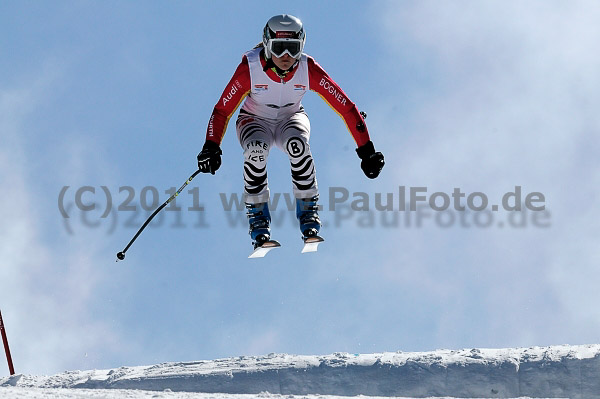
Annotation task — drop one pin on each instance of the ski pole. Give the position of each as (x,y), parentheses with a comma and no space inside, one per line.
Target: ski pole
(121,255)
(11,369)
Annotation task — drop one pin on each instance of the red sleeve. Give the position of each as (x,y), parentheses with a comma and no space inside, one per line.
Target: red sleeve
(326,87)
(237,89)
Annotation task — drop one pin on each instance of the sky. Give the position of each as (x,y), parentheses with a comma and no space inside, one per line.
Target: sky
(480,96)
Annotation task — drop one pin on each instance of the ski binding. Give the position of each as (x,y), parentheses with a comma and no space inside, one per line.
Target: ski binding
(311,243)
(264,248)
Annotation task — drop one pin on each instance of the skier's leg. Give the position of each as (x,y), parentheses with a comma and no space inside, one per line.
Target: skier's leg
(292,136)
(255,137)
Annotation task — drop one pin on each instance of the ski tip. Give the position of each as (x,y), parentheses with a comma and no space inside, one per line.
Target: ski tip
(265,248)
(311,244)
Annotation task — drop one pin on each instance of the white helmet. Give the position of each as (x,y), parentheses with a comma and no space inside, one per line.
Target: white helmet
(284,34)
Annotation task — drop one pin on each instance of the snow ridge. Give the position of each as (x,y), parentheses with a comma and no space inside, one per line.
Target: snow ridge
(557,371)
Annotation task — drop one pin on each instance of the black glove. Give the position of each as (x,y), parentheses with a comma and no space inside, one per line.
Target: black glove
(209,160)
(372,162)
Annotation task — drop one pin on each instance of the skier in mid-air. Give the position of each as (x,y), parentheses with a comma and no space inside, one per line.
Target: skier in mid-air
(273,78)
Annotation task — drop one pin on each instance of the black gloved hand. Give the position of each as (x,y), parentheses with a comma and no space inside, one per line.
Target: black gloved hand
(209,160)
(372,162)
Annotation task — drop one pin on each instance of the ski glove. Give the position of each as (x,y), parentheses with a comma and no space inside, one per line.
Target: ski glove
(209,160)
(372,162)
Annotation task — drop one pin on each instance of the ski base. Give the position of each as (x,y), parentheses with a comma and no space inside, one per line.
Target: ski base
(265,248)
(311,244)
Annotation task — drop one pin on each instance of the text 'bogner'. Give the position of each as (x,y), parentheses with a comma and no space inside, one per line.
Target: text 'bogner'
(329,87)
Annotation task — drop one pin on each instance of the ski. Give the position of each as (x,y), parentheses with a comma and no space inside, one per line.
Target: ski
(265,248)
(311,243)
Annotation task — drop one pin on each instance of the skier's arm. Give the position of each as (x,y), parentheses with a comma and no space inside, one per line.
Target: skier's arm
(321,83)
(371,161)
(235,91)
(209,159)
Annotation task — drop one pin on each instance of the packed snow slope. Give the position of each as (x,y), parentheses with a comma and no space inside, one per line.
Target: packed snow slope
(66,393)
(558,371)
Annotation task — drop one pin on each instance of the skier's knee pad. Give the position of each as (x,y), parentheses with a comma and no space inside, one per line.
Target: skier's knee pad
(297,147)
(256,152)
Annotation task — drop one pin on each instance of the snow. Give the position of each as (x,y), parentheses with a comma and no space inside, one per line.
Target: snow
(557,371)
(63,393)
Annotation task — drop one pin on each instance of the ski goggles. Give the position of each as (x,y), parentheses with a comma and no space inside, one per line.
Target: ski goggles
(279,47)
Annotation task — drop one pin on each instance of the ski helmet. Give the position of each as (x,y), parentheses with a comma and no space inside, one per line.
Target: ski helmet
(284,34)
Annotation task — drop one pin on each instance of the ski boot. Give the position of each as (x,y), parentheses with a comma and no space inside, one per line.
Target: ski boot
(310,224)
(259,219)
